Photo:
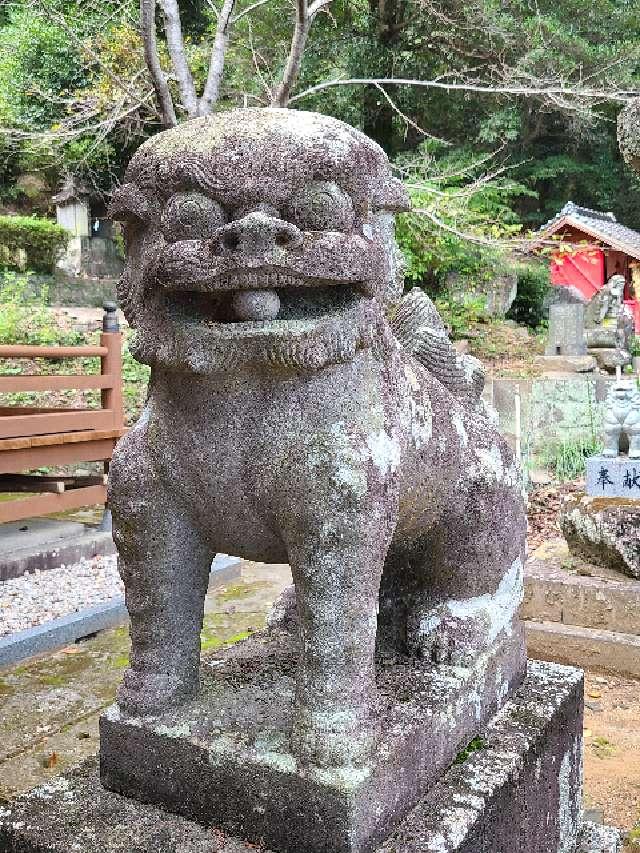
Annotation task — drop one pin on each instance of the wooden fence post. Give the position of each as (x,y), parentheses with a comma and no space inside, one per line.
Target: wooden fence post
(111,338)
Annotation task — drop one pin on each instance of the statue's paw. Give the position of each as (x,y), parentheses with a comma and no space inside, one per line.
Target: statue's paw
(444,637)
(144,694)
(341,738)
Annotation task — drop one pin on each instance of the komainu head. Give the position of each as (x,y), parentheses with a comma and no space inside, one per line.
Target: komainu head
(258,239)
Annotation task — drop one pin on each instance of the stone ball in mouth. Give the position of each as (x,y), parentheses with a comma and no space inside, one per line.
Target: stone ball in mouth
(255,305)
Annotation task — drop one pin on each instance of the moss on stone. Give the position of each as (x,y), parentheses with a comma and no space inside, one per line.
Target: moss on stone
(474,745)
(241,590)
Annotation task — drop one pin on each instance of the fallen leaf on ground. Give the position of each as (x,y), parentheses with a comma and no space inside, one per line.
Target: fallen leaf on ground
(50,761)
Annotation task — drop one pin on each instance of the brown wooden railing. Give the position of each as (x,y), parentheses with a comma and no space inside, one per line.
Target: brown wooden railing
(35,437)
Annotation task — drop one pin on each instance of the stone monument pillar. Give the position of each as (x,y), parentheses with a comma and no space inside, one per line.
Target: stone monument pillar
(301,410)
(566,330)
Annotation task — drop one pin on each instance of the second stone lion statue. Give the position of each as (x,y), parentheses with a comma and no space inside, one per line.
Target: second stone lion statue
(300,411)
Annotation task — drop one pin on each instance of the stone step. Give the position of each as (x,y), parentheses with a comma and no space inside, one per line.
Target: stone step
(38,544)
(516,789)
(589,648)
(555,595)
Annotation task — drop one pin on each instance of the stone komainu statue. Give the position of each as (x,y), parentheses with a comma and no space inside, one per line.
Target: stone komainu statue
(299,411)
(622,418)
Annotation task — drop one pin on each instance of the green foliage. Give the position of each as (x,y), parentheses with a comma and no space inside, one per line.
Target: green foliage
(25,317)
(40,239)
(533,286)
(635,346)
(460,315)
(452,198)
(38,67)
(566,458)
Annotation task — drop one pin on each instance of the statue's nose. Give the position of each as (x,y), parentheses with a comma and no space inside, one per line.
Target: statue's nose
(258,233)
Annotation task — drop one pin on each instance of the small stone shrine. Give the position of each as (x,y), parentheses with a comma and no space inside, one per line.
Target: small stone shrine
(603,526)
(301,410)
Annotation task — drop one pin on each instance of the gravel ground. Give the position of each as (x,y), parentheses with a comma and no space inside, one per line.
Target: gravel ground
(36,598)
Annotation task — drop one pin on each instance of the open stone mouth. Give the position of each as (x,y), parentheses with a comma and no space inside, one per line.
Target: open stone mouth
(256,302)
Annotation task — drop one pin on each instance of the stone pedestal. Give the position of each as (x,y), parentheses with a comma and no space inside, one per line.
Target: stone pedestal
(614,477)
(515,789)
(604,531)
(225,758)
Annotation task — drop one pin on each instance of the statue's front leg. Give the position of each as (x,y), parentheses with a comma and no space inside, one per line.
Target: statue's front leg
(164,562)
(337,564)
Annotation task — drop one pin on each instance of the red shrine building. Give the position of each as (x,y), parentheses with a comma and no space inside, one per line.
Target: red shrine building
(592,247)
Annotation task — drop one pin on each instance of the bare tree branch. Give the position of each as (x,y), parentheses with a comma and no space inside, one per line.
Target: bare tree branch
(281,95)
(406,118)
(148,32)
(305,14)
(248,10)
(256,64)
(216,64)
(543,90)
(72,133)
(175,43)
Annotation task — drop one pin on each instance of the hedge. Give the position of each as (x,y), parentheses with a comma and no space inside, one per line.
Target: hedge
(30,243)
(533,285)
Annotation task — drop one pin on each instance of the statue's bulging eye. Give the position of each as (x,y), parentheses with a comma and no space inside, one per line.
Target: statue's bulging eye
(321,206)
(192,216)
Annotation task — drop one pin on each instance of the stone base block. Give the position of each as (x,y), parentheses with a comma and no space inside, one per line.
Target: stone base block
(514,789)
(614,477)
(608,358)
(604,531)
(224,759)
(566,363)
(589,648)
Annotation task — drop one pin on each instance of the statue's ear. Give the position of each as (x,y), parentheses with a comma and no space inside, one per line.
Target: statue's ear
(129,203)
(390,194)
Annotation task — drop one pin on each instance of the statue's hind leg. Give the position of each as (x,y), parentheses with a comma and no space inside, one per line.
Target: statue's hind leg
(164,563)
(464,578)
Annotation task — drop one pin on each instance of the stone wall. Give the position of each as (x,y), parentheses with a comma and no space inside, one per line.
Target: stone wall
(552,410)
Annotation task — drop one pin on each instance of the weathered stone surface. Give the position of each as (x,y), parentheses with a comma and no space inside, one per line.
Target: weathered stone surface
(293,418)
(519,793)
(603,531)
(566,330)
(225,758)
(599,839)
(601,337)
(566,363)
(608,358)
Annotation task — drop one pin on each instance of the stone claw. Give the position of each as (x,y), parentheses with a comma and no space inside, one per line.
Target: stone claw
(444,638)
